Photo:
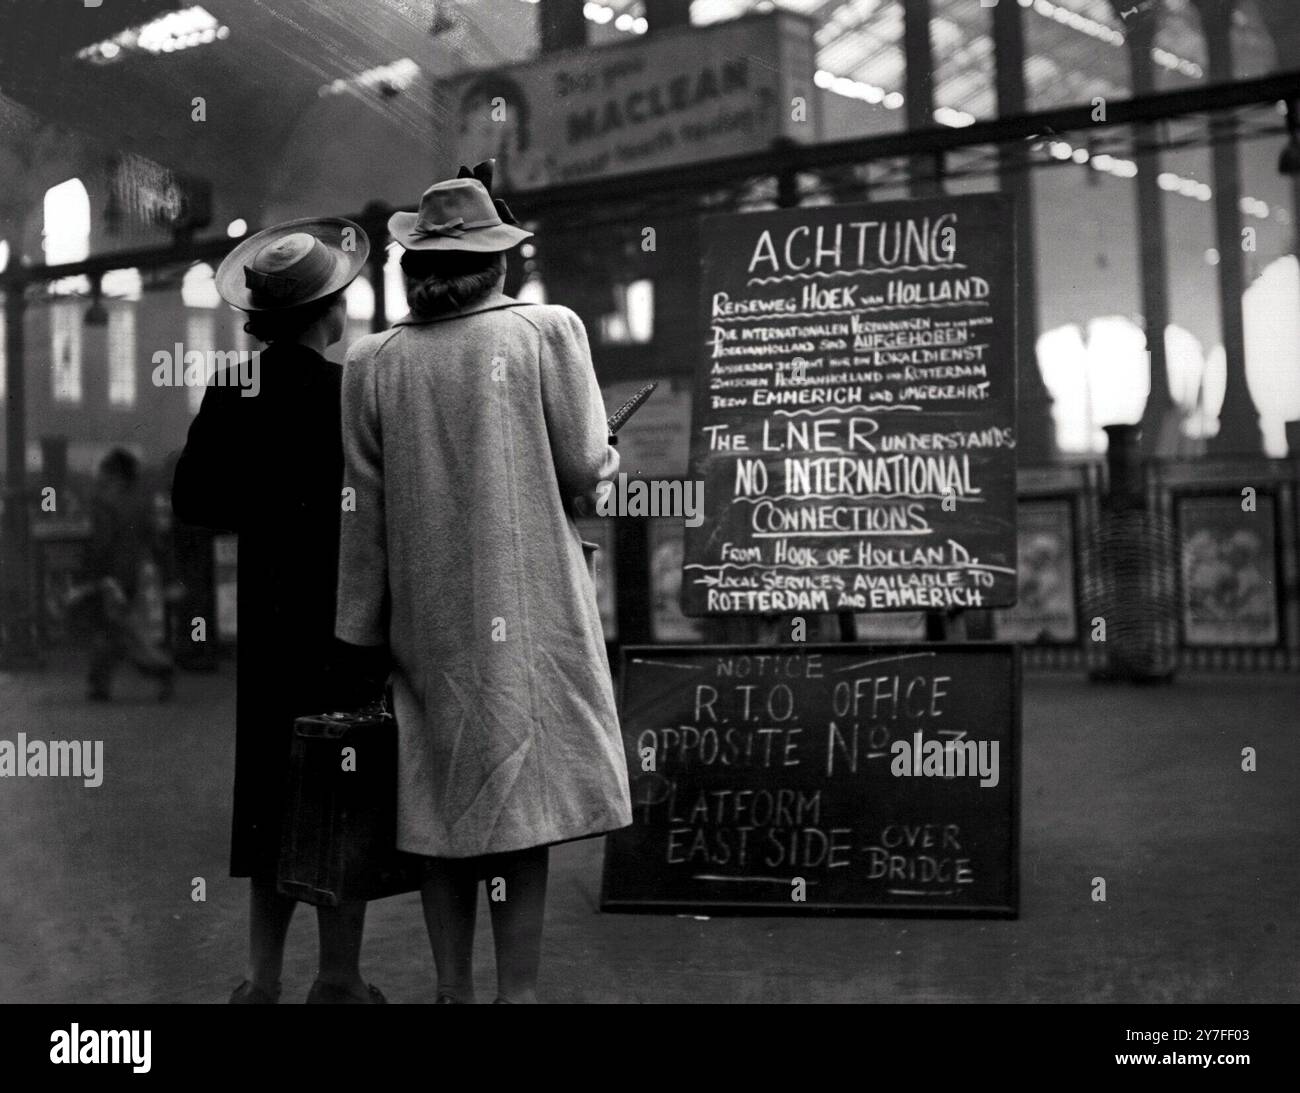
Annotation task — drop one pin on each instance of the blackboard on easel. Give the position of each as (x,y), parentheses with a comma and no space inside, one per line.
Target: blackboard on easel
(755,767)
(853,419)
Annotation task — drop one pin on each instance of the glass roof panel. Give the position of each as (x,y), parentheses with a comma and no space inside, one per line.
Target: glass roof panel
(1180,49)
(1076,48)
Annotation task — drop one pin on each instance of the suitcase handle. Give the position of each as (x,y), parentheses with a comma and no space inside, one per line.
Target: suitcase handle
(316,730)
(332,726)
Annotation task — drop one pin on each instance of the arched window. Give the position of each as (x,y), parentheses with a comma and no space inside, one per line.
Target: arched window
(66,237)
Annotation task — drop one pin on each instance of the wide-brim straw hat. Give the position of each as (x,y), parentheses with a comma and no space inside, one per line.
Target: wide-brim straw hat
(458,214)
(292,264)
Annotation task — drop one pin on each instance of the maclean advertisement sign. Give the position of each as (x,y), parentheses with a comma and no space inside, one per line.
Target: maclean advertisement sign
(672,98)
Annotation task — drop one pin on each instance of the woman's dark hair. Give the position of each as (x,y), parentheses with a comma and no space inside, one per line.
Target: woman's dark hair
(288,325)
(445,280)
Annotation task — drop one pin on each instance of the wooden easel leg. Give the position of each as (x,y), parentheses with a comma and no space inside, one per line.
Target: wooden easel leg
(944,626)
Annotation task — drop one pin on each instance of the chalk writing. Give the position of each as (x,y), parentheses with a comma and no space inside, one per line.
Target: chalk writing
(770,764)
(854,410)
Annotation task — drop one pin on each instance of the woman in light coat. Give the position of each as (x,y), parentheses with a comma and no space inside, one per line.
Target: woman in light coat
(469,430)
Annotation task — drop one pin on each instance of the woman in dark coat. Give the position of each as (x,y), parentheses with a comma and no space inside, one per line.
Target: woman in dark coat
(266,461)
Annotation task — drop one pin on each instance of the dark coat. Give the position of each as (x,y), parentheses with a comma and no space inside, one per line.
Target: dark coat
(118,542)
(270,467)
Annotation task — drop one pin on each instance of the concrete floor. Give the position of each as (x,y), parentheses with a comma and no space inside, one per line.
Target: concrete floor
(1141,786)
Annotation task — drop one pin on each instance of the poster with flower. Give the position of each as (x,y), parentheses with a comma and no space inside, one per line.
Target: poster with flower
(1229,571)
(1045,610)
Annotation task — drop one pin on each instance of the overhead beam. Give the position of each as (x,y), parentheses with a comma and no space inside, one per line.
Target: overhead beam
(1203,99)
(198,250)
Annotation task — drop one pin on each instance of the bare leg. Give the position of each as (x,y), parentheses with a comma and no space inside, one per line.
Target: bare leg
(269,915)
(341,929)
(517,921)
(450,898)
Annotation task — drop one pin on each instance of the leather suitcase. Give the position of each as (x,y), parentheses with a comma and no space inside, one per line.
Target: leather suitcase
(339,838)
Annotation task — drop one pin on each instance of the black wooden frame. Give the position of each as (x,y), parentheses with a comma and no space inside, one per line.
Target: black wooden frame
(1009,910)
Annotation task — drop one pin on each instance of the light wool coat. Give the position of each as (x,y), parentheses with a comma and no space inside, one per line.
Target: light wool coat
(466,437)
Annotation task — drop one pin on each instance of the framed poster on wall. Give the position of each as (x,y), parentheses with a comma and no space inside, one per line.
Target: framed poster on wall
(594,529)
(1228,570)
(1046,611)
(655,442)
(667,621)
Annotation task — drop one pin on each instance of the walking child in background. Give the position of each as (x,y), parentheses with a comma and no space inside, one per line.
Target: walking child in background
(119,547)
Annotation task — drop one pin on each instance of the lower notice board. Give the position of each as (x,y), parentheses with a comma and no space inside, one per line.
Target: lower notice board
(821,778)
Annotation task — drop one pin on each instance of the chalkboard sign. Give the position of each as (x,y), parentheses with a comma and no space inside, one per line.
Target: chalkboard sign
(820,778)
(854,411)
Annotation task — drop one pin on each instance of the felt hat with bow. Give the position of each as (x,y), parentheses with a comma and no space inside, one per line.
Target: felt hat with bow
(459,214)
